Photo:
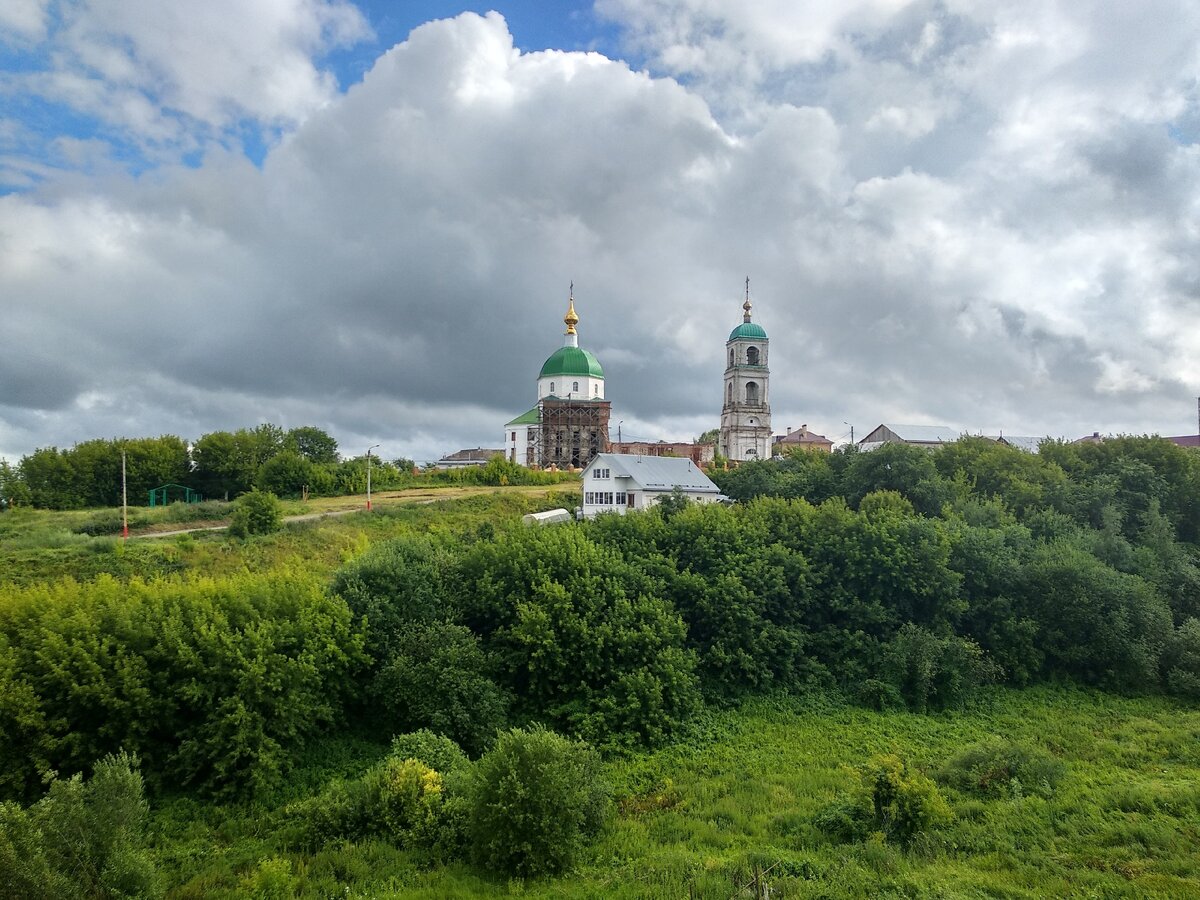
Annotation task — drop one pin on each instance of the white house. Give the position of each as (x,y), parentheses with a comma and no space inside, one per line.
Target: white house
(616,482)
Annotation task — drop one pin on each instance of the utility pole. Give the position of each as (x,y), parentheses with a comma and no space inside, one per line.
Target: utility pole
(124,502)
(369,449)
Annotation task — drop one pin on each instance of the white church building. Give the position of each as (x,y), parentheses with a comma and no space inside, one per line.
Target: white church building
(569,424)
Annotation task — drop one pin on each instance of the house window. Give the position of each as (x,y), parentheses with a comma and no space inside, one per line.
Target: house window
(552,387)
(751,392)
(731,357)
(514,435)
(575,387)
(602,474)
(620,501)
(752,356)
(595,390)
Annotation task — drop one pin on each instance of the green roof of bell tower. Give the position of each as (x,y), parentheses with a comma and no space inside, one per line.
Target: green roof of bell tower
(748,330)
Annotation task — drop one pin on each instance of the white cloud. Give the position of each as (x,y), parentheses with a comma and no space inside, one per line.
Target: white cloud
(169,74)
(952,222)
(23,20)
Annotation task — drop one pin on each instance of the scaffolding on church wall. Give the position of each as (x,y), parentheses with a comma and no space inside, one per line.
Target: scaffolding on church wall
(571,432)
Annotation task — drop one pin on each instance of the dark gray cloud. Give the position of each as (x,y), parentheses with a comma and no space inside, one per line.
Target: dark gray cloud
(986,220)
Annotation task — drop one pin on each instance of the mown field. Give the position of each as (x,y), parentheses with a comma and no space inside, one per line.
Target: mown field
(698,818)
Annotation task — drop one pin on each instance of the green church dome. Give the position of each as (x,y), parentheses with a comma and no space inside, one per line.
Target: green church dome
(748,330)
(572,361)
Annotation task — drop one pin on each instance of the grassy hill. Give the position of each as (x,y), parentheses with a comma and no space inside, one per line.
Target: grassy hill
(700,817)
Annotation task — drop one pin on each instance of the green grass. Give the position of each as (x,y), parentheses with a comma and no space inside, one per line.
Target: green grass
(38,545)
(698,818)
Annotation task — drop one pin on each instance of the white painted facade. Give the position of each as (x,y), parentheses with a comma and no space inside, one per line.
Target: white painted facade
(619,482)
(518,444)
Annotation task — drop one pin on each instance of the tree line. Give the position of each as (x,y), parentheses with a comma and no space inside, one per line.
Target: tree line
(220,465)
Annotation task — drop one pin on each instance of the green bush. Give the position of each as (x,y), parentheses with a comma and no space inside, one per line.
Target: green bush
(1002,768)
(83,839)
(891,799)
(439,678)
(403,799)
(534,802)
(257,512)
(393,585)
(933,671)
(434,750)
(286,474)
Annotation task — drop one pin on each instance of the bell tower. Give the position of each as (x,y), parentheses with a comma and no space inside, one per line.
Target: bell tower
(746,412)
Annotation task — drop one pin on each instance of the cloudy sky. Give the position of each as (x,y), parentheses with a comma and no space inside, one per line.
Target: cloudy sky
(366,217)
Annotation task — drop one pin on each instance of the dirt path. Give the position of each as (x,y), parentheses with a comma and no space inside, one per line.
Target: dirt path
(418,497)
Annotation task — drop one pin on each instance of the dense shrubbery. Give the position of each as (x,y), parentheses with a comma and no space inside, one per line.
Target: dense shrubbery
(581,638)
(213,682)
(83,839)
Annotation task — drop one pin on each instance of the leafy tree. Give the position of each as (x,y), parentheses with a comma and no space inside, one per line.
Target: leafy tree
(1181,660)
(257,512)
(438,677)
(1023,481)
(286,474)
(742,596)
(313,444)
(227,463)
(13,489)
(535,801)
(51,479)
(673,503)
(394,585)
(580,636)
(1094,623)
(904,468)
(221,468)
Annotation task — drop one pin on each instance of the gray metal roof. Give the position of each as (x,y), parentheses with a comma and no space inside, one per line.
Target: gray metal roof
(925,434)
(655,473)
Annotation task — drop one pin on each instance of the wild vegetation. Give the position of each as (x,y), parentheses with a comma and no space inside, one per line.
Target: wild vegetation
(967,672)
(222,465)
